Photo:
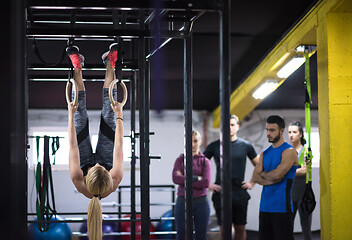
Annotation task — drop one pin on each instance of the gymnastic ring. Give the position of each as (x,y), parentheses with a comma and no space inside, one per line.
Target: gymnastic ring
(124,88)
(69,94)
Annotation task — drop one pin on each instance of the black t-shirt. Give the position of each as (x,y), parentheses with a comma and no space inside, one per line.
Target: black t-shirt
(240,149)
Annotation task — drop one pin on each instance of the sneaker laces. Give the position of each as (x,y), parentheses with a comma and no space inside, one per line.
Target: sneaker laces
(77,60)
(111,57)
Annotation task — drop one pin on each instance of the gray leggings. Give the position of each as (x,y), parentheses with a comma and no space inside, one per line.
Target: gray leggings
(105,144)
(298,190)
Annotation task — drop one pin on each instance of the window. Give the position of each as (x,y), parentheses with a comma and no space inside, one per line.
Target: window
(61,156)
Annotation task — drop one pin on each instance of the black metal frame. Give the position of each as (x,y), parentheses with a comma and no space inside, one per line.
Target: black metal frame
(14,92)
(132,219)
(225,86)
(137,29)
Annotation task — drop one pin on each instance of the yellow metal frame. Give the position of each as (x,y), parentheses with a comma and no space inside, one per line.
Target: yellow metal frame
(303,33)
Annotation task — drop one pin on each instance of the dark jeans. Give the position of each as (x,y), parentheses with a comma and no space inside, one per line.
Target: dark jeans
(201,212)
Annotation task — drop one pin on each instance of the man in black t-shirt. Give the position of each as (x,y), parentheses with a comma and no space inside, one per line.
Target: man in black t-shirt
(240,149)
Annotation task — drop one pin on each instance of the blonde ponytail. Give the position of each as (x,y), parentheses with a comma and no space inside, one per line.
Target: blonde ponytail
(95,220)
(98,181)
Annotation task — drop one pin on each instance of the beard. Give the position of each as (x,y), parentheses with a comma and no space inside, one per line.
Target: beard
(275,139)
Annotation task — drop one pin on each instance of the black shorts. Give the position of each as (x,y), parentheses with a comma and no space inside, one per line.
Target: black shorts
(239,211)
(275,226)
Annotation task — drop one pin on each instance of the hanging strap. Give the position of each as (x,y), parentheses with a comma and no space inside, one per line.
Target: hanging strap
(55,145)
(41,194)
(308,101)
(37,139)
(43,179)
(308,202)
(47,174)
(39,56)
(51,210)
(40,187)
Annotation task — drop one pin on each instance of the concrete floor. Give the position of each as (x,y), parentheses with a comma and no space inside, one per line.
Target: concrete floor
(253,235)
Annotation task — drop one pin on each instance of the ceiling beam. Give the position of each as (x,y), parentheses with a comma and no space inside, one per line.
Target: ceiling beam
(194,5)
(303,33)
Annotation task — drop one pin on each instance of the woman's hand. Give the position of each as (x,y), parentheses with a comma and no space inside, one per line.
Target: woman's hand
(72,109)
(214,187)
(117,108)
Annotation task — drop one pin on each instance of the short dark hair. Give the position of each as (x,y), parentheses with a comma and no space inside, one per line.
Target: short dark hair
(276,119)
(300,129)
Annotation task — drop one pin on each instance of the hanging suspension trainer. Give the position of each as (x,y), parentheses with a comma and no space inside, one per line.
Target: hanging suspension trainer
(43,179)
(308,201)
(40,196)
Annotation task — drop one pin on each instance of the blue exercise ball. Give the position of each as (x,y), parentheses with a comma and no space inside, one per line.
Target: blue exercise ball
(108,227)
(165,226)
(56,231)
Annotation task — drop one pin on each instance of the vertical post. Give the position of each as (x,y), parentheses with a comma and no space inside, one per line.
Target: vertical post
(133,152)
(14,126)
(144,131)
(146,171)
(225,87)
(335,118)
(173,198)
(119,200)
(188,103)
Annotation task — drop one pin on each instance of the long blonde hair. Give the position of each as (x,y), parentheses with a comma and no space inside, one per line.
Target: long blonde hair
(98,181)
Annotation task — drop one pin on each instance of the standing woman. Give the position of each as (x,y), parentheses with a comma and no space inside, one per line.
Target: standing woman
(201,181)
(95,175)
(295,134)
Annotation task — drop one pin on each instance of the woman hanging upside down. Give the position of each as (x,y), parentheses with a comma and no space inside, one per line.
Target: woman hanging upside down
(98,174)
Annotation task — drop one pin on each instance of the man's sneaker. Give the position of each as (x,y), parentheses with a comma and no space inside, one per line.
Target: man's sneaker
(77,59)
(111,55)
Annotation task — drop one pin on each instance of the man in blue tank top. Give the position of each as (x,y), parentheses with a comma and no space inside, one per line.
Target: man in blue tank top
(275,171)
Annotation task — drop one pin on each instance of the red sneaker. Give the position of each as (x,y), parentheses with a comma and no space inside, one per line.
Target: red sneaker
(110,55)
(77,59)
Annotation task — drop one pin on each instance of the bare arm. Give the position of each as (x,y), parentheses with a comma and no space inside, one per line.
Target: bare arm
(249,185)
(208,153)
(74,159)
(257,177)
(116,171)
(255,160)
(288,159)
(301,172)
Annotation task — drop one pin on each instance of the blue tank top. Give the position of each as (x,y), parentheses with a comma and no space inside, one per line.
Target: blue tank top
(277,197)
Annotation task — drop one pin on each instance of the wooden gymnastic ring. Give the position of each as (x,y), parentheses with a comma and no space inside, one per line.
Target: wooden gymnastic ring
(124,88)
(69,94)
